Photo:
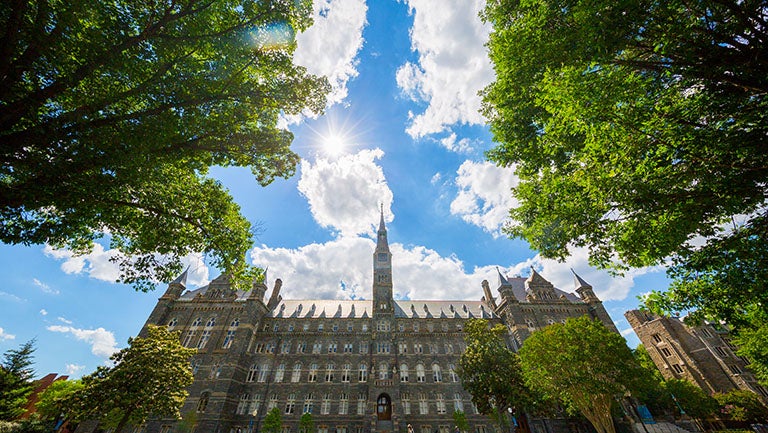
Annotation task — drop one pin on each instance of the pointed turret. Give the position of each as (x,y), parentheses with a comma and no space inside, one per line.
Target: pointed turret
(583,288)
(538,288)
(176,287)
(382,271)
(505,288)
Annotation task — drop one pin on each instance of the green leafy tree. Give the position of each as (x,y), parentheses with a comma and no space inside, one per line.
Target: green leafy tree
(651,391)
(636,126)
(741,405)
(752,343)
(491,372)
(16,380)
(690,398)
(149,379)
(111,114)
(306,423)
(582,364)
(460,420)
(54,401)
(273,422)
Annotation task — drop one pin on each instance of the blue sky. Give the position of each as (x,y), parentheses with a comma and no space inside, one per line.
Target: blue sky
(402,129)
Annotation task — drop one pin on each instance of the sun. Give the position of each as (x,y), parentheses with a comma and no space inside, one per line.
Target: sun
(334,144)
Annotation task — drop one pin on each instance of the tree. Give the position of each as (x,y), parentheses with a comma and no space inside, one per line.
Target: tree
(111,114)
(52,403)
(651,391)
(306,424)
(752,343)
(741,405)
(16,384)
(637,127)
(582,364)
(460,420)
(491,372)
(273,422)
(690,399)
(149,379)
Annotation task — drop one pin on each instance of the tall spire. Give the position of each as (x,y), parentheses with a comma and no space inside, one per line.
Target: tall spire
(382,245)
(382,272)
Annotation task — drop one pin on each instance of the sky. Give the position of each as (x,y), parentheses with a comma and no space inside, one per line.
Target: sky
(402,130)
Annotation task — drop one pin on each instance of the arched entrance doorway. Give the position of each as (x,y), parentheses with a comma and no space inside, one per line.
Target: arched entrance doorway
(384,407)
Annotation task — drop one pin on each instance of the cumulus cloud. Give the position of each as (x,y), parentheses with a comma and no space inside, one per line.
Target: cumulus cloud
(452,65)
(6,336)
(44,287)
(102,342)
(74,369)
(484,197)
(330,46)
(341,269)
(97,264)
(43,312)
(345,193)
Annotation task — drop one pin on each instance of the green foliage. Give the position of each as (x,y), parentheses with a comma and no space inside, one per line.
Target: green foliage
(740,405)
(460,420)
(651,391)
(306,423)
(753,344)
(582,364)
(149,379)
(16,380)
(52,403)
(188,422)
(637,126)
(111,114)
(491,372)
(273,422)
(690,398)
(30,425)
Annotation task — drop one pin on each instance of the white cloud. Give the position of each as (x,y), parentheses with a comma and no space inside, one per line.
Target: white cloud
(345,193)
(11,296)
(485,195)
(97,264)
(63,320)
(626,332)
(463,145)
(74,369)
(102,342)
(330,46)
(316,271)
(44,287)
(43,312)
(452,67)
(6,336)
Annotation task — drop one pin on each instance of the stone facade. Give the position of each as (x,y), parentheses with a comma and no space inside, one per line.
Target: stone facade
(703,354)
(356,366)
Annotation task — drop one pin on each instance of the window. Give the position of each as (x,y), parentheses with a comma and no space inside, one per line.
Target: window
(307,404)
(165,429)
(656,338)
(452,373)
(290,327)
(430,327)
(276,327)
(433,349)
(448,348)
(203,402)
(255,405)
(426,429)
(253,373)
(322,429)
(440,402)
(290,404)
(415,327)
(417,348)
(204,339)
(437,374)
(480,429)
(320,327)
(347,347)
(259,348)
(312,373)
(677,368)
(350,327)
(197,322)
(423,404)
(382,347)
(305,327)
(362,399)
(401,327)
(329,372)
(296,375)
(344,403)
(666,352)
(301,347)
(383,371)
(383,324)
(365,327)
(444,327)
(403,372)
(172,324)
(280,373)
(420,374)
(264,372)
(734,368)
(402,348)
(325,405)
(335,327)
(243,404)
(458,404)
(345,372)
(188,338)
(341,429)
(317,347)
(721,351)
(215,371)
(270,348)
(363,373)
(332,348)
(195,365)
(405,400)
(705,332)
(285,347)
(363,347)
(272,402)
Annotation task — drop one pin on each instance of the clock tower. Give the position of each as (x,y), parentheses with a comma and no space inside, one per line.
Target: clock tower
(382,273)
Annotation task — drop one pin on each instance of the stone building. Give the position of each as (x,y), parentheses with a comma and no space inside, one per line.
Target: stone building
(356,366)
(702,354)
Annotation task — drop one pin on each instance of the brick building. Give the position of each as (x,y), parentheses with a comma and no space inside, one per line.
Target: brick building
(356,366)
(702,354)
